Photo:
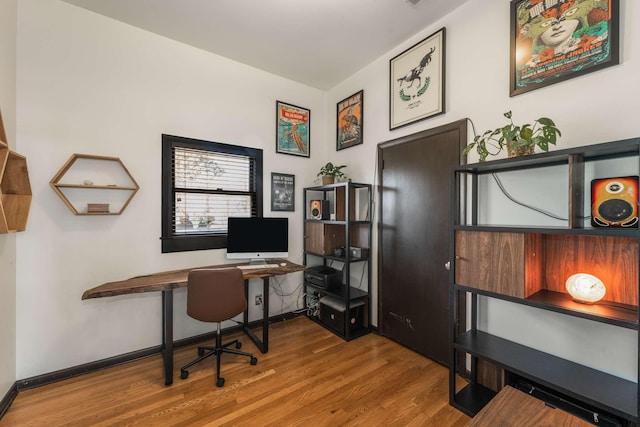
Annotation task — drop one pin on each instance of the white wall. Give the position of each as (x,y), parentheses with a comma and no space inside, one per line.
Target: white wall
(92,85)
(8,241)
(88,84)
(598,107)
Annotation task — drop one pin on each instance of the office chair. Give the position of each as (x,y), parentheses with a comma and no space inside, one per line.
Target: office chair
(216,295)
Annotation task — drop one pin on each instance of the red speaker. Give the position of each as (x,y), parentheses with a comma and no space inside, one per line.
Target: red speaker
(614,202)
(319,209)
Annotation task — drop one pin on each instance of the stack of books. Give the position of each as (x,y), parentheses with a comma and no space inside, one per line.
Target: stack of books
(98,207)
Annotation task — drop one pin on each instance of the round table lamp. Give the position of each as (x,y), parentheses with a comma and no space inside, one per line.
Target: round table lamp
(585,288)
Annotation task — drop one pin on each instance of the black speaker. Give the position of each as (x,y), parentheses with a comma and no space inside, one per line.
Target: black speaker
(319,209)
(614,202)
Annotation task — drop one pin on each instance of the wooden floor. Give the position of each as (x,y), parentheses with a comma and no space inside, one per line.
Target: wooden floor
(310,377)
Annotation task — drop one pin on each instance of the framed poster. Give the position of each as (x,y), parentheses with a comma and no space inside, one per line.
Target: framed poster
(416,82)
(292,130)
(349,121)
(556,40)
(283,192)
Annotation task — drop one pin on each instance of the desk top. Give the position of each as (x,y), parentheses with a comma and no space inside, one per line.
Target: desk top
(177,279)
(512,407)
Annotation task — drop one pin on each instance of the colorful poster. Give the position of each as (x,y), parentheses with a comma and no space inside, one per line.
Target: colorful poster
(349,121)
(555,40)
(292,129)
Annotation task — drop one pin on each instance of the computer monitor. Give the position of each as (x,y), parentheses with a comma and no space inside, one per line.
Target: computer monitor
(256,239)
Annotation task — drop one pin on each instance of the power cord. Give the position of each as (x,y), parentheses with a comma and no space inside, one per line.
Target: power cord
(513,199)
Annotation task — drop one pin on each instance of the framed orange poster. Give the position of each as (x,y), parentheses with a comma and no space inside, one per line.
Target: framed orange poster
(349,121)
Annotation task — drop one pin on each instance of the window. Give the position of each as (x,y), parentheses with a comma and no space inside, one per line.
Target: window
(204,183)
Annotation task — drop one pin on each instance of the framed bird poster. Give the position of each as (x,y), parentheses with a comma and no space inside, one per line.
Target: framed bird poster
(293,130)
(416,82)
(553,41)
(349,121)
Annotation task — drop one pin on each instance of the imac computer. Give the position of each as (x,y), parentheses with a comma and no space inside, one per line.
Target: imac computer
(257,239)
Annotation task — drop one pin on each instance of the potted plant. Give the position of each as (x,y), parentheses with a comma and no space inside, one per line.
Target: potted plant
(519,140)
(330,172)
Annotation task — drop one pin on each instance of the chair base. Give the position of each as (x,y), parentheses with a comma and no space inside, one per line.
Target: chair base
(205,352)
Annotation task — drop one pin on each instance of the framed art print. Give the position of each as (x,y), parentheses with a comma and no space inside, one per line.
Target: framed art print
(292,129)
(416,82)
(349,121)
(283,192)
(553,41)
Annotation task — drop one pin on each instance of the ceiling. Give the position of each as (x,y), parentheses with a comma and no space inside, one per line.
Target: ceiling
(315,42)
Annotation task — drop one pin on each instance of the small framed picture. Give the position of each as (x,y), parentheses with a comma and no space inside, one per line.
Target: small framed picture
(416,82)
(553,41)
(349,121)
(293,130)
(283,194)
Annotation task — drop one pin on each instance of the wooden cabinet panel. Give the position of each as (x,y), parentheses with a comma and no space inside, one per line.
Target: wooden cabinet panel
(612,259)
(491,261)
(322,238)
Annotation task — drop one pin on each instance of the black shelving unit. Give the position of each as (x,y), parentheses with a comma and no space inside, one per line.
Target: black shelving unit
(348,225)
(528,278)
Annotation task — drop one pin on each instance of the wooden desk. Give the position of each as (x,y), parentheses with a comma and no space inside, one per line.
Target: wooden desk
(167,281)
(515,408)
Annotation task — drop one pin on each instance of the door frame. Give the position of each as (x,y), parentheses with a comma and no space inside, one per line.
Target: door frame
(462,128)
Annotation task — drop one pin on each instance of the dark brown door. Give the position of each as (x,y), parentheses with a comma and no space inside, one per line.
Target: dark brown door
(415,227)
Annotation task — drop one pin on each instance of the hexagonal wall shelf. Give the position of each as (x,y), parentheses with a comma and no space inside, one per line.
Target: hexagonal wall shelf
(94,185)
(15,188)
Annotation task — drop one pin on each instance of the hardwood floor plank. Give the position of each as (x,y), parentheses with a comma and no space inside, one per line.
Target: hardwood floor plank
(309,377)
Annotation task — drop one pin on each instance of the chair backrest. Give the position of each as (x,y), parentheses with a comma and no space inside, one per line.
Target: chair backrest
(215,295)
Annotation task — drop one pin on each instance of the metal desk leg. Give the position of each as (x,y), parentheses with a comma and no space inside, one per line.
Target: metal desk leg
(167,335)
(264,344)
(265,314)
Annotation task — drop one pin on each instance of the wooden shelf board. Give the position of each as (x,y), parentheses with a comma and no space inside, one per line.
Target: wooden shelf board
(597,388)
(102,187)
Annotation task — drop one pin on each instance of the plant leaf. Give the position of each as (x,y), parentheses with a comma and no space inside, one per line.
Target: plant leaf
(545,121)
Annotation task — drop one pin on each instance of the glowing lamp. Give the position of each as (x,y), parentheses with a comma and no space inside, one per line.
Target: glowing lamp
(585,288)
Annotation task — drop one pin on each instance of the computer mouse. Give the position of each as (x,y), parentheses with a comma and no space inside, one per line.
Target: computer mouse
(282,264)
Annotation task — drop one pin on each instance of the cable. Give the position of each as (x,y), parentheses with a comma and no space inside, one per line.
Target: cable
(510,197)
(506,193)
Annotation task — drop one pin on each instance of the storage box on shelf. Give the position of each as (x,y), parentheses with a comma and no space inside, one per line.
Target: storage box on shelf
(340,239)
(528,265)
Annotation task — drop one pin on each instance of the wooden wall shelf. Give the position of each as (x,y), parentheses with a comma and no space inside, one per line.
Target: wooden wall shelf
(110,175)
(15,188)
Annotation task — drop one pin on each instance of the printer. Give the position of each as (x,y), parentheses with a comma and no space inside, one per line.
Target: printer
(324,277)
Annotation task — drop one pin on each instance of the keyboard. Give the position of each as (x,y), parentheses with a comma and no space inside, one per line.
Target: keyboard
(257,266)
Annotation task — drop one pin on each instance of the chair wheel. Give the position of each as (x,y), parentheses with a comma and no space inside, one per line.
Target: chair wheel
(220,382)
(253,361)
(238,344)
(184,375)
(200,351)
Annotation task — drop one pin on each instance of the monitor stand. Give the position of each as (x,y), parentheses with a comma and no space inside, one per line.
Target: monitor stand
(258,261)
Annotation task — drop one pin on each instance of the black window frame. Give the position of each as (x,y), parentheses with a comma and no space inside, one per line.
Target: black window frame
(182,243)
